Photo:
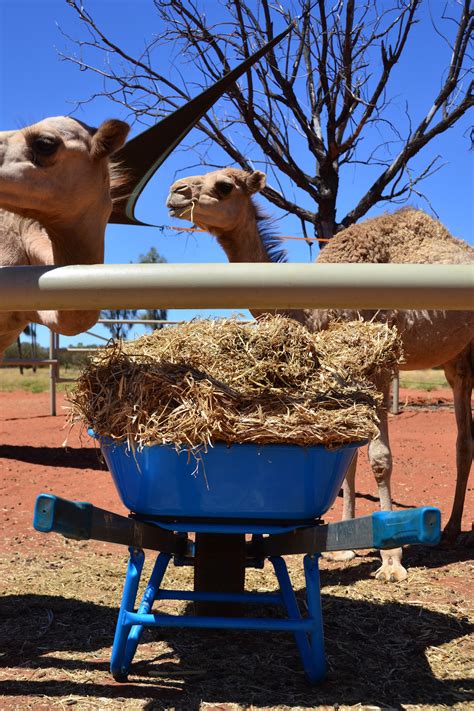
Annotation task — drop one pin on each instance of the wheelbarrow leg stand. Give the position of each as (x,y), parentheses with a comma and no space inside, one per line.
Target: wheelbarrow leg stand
(316,636)
(132,580)
(310,644)
(149,596)
(127,636)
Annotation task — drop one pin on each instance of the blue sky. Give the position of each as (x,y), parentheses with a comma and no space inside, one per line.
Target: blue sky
(35,84)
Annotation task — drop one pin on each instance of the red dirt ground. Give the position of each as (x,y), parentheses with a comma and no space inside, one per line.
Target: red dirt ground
(33,460)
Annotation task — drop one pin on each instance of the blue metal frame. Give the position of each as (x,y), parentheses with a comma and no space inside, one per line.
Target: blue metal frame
(308,631)
(81,520)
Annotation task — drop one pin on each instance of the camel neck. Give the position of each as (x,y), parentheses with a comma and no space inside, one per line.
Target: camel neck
(80,242)
(243,244)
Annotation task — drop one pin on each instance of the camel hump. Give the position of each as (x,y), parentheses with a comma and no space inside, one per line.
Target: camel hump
(408,236)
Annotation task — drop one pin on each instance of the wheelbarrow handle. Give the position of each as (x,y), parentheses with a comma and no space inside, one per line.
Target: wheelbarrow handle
(384,529)
(83,521)
(72,519)
(397,528)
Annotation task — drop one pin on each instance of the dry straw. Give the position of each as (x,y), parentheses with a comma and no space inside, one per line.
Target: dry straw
(223,381)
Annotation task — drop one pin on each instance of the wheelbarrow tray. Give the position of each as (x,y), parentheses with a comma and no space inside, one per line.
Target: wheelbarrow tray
(244,481)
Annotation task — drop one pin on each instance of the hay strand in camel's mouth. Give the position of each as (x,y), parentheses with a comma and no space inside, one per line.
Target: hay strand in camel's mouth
(223,381)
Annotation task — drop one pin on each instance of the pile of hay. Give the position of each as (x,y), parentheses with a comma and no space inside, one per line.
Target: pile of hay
(224,381)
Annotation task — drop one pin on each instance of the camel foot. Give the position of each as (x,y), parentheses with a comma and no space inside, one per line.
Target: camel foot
(338,556)
(391,570)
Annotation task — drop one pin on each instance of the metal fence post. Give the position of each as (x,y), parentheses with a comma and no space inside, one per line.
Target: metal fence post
(395,408)
(52,373)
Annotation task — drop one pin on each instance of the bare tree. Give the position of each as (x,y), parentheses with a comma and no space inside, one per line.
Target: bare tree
(324,88)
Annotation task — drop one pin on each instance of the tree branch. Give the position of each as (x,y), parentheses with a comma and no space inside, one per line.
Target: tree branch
(305,109)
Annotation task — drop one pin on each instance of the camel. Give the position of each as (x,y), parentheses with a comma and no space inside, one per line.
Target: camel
(220,202)
(56,186)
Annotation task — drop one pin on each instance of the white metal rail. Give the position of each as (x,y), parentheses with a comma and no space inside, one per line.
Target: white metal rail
(260,286)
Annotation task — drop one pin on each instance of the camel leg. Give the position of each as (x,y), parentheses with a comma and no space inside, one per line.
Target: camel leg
(348,509)
(348,490)
(459,374)
(380,458)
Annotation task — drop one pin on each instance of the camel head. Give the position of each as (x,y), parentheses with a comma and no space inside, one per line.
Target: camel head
(219,202)
(57,171)
(57,174)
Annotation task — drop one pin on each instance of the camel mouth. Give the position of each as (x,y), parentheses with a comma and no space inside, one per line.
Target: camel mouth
(179,211)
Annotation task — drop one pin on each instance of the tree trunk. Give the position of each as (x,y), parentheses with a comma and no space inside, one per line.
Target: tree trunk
(328,185)
(18,343)
(326,224)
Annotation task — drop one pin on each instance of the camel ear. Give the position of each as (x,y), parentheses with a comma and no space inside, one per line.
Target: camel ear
(109,137)
(256,181)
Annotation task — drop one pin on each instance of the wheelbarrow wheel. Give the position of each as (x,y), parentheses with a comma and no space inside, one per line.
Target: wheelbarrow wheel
(219,566)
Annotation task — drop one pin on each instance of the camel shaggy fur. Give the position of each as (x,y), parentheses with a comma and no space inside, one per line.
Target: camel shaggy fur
(221,203)
(56,184)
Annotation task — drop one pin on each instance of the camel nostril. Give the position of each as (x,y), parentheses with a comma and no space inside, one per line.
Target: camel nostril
(182,189)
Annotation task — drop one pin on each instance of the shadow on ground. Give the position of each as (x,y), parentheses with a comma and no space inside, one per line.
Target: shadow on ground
(70,457)
(376,654)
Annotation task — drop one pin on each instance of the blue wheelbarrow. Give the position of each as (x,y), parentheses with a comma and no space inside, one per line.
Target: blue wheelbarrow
(245,503)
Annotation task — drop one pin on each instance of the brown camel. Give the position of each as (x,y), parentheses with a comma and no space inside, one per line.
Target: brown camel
(56,184)
(220,202)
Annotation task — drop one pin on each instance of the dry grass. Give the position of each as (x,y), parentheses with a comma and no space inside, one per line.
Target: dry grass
(11,380)
(396,646)
(223,381)
(423,379)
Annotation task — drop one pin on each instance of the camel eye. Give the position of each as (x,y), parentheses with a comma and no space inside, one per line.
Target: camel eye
(223,187)
(45,145)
